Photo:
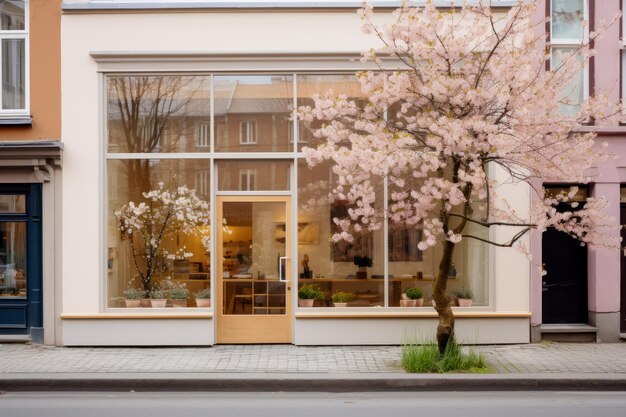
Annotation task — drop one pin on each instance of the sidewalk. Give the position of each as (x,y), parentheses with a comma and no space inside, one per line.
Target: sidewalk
(286,367)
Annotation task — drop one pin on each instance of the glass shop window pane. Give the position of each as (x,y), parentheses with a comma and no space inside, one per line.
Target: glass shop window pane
(351,272)
(158,113)
(12,15)
(252,113)
(175,263)
(309,85)
(253,175)
(13,74)
(12,203)
(567,19)
(13,281)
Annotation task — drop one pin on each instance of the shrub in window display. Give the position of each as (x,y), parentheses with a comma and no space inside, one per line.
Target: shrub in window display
(463,296)
(203,294)
(341,298)
(162,214)
(134,293)
(308,293)
(414,293)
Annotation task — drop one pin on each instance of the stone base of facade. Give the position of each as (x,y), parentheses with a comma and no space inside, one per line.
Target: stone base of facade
(535,333)
(607,325)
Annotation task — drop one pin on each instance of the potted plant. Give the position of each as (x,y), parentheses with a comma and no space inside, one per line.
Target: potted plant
(179,296)
(363,262)
(412,297)
(133,297)
(203,298)
(158,298)
(341,299)
(308,293)
(463,296)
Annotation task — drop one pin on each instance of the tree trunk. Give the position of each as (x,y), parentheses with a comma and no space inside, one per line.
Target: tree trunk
(445,328)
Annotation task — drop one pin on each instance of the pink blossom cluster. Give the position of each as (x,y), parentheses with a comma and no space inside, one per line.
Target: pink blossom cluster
(460,94)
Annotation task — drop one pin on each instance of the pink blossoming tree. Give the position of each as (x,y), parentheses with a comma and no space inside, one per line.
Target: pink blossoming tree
(462,94)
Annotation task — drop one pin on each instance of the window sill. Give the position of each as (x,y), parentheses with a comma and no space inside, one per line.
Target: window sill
(409,314)
(16,121)
(139,315)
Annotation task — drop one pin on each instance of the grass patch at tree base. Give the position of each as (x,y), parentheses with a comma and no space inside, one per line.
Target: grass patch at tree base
(425,358)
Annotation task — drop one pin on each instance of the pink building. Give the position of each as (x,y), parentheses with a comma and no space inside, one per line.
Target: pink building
(583,295)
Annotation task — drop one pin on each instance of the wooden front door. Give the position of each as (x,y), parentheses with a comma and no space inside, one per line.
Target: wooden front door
(253,269)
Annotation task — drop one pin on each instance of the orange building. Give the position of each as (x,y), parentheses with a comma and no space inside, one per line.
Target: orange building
(30,159)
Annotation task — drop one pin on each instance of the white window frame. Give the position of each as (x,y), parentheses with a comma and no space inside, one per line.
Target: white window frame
(203,135)
(16,35)
(556,43)
(249,173)
(251,132)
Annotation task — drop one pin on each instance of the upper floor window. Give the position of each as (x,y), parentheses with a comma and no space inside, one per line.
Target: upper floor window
(202,135)
(247,132)
(567,33)
(13,50)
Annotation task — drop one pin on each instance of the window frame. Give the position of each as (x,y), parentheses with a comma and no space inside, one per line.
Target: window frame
(559,43)
(19,35)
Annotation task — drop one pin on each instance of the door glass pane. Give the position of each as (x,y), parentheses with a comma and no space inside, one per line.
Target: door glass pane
(12,14)
(12,259)
(12,203)
(254,239)
(158,113)
(567,19)
(253,175)
(252,113)
(13,74)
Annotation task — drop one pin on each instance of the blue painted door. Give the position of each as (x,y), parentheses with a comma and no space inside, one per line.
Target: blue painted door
(20,259)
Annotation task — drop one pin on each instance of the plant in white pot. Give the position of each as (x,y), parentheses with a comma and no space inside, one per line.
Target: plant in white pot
(341,298)
(179,295)
(158,298)
(133,297)
(308,293)
(463,297)
(412,297)
(203,298)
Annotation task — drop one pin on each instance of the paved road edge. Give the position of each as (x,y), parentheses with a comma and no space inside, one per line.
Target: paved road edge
(311,382)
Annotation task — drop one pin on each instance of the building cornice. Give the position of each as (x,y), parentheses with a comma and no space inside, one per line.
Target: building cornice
(268,6)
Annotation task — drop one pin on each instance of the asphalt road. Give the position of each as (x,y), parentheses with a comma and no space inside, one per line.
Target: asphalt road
(387,404)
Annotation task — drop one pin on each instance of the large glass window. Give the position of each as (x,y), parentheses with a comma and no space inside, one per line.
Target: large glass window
(253,175)
(151,253)
(355,270)
(158,113)
(13,41)
(346,85)
(252,113)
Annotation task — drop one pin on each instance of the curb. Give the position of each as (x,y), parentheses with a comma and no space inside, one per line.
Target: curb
(311,382)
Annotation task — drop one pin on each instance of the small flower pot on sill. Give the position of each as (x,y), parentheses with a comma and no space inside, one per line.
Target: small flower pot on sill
(133,303)
(340,304)
(145,303)
(203,302)
(158,302)
(464,302)
(408,303)
(179,302)
(305,303)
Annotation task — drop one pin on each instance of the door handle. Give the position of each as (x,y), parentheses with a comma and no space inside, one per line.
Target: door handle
(280,268)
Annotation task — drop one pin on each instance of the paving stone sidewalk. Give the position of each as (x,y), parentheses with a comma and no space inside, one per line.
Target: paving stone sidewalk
(509,359)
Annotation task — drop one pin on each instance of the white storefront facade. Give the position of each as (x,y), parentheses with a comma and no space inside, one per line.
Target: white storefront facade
(200,95)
